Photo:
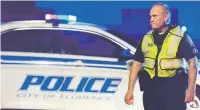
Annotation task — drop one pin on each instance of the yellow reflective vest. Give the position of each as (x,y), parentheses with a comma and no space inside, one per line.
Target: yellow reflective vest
(167,61)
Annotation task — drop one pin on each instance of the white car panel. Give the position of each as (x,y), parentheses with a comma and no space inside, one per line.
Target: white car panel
(13,75)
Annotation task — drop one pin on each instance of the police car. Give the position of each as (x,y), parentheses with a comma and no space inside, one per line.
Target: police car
(73,66)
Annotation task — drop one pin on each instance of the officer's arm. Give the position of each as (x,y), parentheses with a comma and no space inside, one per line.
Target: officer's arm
(133,75)
(190,53)
(193,65)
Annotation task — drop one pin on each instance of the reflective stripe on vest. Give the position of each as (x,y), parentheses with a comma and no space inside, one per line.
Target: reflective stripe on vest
(149,63)
(175,40)
(170,63)
(145,40)
(167,61)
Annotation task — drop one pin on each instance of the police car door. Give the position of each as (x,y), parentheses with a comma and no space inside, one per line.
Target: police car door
(30,70)
(93,73)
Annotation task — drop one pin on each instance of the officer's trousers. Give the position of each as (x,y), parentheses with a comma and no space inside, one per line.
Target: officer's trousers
(165,94)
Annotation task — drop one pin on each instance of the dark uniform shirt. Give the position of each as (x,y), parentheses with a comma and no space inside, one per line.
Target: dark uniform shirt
(186,47)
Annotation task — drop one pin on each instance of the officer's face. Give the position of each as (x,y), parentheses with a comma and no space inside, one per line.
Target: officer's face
(158,17)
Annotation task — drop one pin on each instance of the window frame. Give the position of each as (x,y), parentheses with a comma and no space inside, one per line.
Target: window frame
(105,37)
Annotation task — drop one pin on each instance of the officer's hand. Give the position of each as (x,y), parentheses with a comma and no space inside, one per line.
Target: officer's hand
(190,95)
(128,98)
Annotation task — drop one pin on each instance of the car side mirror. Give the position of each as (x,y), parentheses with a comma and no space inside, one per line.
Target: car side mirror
(129,64)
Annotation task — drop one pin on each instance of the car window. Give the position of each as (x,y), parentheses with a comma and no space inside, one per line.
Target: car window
(83,43)
(41,41)
(60,41)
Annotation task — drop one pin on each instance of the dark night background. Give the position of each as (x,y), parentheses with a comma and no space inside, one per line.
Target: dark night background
(130,17)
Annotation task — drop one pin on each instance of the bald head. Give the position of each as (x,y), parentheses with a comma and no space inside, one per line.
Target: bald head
(160,15)
(165,9)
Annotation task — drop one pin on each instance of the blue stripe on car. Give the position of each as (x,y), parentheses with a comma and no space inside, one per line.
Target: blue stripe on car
(31,58)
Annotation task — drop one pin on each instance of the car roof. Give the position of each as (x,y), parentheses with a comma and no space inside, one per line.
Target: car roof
(43,23)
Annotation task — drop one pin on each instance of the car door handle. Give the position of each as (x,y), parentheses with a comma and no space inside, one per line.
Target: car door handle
(77,63)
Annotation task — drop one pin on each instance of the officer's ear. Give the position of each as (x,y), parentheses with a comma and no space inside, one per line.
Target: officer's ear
(166,17)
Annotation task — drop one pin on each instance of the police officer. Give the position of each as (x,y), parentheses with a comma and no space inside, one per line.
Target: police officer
(161,54)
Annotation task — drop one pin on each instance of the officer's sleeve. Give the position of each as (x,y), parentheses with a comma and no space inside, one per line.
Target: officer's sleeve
(187,48)
(138,56)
